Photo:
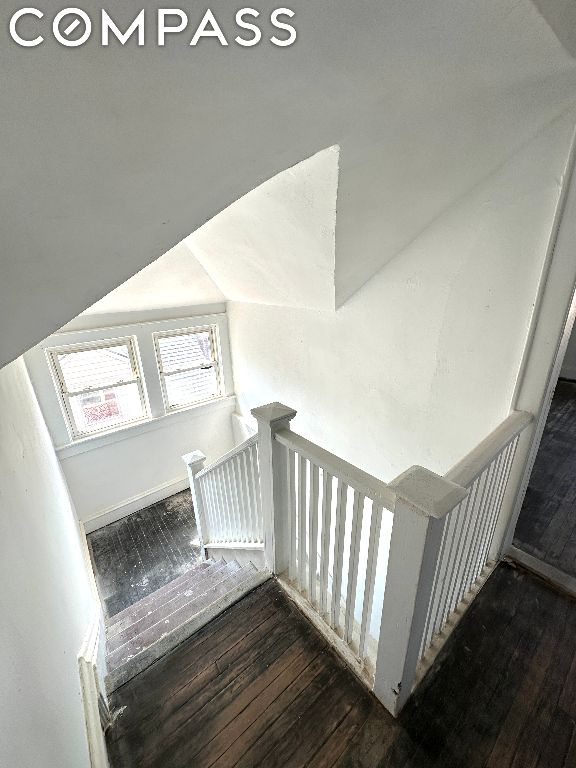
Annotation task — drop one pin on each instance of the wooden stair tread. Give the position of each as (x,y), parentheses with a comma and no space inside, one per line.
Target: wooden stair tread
(143,612)
(178,621)
(119,617)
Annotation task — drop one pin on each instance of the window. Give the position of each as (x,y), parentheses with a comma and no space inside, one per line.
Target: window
(189,366)
(100,385)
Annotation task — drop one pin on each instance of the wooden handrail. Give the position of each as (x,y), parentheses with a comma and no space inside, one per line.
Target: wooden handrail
(355,478)
(474,463)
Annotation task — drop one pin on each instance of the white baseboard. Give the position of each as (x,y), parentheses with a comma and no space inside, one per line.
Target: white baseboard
(562,581)
(135,504)
(92,696)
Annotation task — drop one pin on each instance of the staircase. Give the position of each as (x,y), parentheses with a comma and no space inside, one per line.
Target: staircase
(383,570)
(153,626)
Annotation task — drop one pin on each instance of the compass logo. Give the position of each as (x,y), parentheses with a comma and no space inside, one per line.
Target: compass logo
(72,27)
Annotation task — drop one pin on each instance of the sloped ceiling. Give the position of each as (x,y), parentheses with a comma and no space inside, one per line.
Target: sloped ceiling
(176,279)
(111,156)
(561,15)
(276,244)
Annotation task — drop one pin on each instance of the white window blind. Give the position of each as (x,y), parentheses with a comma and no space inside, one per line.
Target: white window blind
(100,385)
(188,366)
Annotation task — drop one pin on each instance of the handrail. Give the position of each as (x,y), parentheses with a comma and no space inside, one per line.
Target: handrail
(252,440)
(474,463)
(355,478)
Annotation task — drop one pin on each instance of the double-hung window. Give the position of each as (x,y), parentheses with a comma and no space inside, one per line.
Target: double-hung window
(100,385)
(188,364)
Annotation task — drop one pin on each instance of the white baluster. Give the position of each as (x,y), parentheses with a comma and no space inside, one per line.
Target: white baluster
(255,463)
(325,539)
(357,513)
(302,473)
(291,492)
(341,501)
(369,583)
(312,532)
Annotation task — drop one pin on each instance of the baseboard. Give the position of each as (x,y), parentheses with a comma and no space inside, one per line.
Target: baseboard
(135,504)
(100,660)
(562,581)
(96,713)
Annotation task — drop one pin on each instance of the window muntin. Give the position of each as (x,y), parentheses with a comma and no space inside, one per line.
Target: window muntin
(189,366)
(100,385)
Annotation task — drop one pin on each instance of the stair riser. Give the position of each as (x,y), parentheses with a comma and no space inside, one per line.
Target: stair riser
(164,611)
(170,640)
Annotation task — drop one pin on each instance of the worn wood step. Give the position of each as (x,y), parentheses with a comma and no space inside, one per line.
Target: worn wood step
(157,640)
(156,600)
(120,617)
(163,609)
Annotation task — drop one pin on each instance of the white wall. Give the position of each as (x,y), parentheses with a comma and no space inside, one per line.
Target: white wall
(421,363)
(45,598)
(276,244)
(173,281)
(133,472)
(112,475)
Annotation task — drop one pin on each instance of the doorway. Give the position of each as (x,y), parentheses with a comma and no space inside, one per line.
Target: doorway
(546,527)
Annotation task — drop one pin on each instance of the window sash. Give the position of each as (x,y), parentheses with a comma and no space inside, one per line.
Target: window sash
(66,394)
(214,363)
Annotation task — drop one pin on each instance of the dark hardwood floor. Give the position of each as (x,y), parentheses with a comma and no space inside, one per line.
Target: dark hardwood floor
(144,551)
(259,687)
(547,523)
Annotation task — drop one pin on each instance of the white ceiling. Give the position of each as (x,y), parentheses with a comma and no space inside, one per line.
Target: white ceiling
(276,244)
(176,279)
(111,156)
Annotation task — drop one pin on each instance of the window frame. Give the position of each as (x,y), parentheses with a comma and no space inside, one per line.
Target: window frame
(64,395)
(213,331)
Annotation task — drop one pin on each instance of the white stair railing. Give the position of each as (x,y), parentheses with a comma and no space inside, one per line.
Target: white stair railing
(335,523)
(443,542)
(323,535)
(384,570)
(226,497)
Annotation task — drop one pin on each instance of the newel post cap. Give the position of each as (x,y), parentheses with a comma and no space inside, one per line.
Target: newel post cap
(194,460)
(273,412)
(428,493)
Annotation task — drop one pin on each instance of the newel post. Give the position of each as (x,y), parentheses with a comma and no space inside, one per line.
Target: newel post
(194,464)
(423,500)
(273,460)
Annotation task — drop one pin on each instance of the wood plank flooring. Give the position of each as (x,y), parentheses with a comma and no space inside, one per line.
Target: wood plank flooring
(546,527)
(142,552)
(259,687)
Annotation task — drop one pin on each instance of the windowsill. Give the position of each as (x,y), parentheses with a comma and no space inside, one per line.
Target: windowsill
(147,425)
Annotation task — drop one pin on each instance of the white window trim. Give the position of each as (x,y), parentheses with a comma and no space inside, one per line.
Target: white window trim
(64,395)
(216,364)
(46,386)
(127,431)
